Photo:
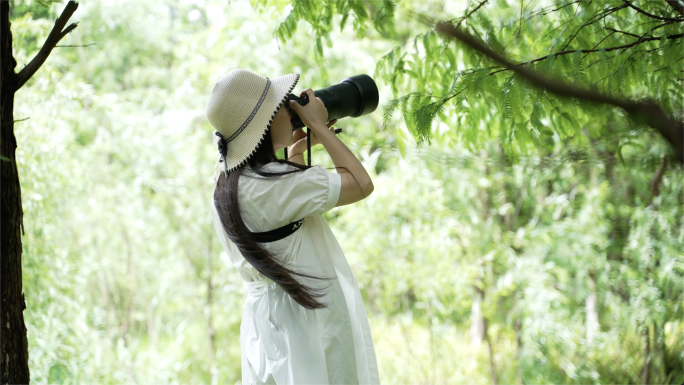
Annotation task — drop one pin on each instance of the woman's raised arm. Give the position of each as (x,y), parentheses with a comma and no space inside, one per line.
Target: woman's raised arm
(356,184)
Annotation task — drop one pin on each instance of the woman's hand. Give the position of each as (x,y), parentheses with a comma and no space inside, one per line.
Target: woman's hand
(313,114)
(299,136)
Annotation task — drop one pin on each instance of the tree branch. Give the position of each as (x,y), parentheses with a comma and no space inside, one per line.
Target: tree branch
(58,32)
(677,6)
(657,179)
(650,14)
(647,112)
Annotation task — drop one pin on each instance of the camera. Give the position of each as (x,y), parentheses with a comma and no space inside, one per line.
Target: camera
(353,96)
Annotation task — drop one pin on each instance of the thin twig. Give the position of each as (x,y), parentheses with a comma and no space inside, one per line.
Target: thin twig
(650,14)
(521,19)
(87,45)
(654,28)
(605,14)
(446,44)
(473,11)
(626,33)
(660,69)
(597,44)
(542,10)
(669,37)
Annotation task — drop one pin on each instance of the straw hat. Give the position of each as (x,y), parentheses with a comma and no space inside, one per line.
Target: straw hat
(241,108)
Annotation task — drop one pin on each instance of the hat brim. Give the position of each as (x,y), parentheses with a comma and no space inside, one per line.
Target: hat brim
(245,144)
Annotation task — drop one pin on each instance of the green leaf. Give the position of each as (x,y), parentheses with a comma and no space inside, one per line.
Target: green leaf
(494,42)
(412,74)
(359,9)
(506,106)
(388,112)
(577,68)
(343,22)
(607,65)
(548,64)
(318,51)
(48,3)
(453,83)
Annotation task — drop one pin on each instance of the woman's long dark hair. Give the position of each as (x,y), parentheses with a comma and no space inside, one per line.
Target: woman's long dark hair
(226,201)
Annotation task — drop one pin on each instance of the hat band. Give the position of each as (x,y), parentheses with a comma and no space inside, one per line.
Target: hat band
(251,116)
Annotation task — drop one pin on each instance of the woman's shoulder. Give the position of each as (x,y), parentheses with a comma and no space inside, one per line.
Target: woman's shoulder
(269,167)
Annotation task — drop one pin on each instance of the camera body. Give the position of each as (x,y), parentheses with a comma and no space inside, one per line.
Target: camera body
(354,96)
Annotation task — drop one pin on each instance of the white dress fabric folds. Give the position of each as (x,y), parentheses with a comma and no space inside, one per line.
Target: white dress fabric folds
(281,341)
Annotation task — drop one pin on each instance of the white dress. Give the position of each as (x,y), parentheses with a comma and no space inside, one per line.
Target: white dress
(281,341)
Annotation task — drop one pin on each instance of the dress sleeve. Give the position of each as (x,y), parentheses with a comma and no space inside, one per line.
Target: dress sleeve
(310,192)
(301,194)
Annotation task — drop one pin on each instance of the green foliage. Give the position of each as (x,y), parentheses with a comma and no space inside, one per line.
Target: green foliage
(48,3)
(558,27)
(319,15)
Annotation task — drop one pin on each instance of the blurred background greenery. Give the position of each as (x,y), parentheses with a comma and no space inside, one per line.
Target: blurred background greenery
(478,264)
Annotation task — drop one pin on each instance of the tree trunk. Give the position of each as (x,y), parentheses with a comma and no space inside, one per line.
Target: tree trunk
(646,369)
(476,320)
(209,315)
(592,320)
(14,360)
(518,350)
(13,339)
(492,366)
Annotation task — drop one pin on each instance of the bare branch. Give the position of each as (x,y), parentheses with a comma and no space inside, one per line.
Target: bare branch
(58,32)
(647,112)
(650,14)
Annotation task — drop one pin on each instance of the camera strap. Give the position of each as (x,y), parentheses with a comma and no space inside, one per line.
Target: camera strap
(308,144)
(308,147)
(279,233)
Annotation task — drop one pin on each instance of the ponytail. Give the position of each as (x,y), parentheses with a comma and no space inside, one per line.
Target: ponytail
(227,206)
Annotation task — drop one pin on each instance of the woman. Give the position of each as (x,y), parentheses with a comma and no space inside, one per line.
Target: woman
(311,329)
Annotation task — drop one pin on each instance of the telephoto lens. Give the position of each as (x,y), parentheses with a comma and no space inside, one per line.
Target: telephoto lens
(353,96)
